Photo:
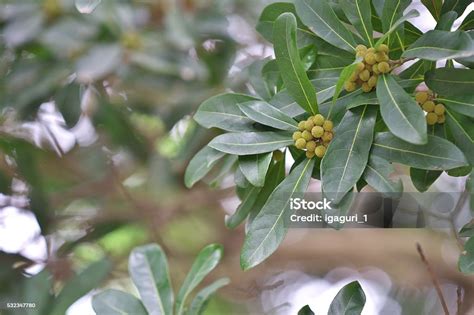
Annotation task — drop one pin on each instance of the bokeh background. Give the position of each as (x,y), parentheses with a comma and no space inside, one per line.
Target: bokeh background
(96,101)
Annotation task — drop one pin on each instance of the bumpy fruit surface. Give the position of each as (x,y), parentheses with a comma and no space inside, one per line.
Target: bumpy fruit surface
(435,112)
(365,75)
(315,140)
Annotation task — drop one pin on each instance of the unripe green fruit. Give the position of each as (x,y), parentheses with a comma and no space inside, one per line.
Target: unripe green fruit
(439,109)
(317,131)
(365,87)
(364,75)
(309,124)
(349,86)
(372,81)
(375,69)
(328,125)
(327,136)
(310,145)
(310,154)
(301,125)
(380,56)
(383,67)
(353,77)
(431,118)
(369,58)
(421,97)
(307,135)
(361,48)
(360,54)
(318,120)
(428,106)
(360,66)
(320,151)
(300,143)
(297,135)
(383,48)
(326,143)
(278,155)
(441,119)
(371,50)
(369,67)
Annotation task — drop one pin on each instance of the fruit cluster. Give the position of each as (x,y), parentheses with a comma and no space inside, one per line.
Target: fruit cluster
(435,112)
(314,135)
(374,62)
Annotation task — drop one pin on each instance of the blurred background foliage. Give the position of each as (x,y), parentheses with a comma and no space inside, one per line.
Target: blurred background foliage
(96,99)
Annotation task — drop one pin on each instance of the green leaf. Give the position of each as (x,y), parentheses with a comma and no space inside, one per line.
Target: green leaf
(446,22)
(268,229)
(148,269)
(395,25)
(306,310)
(458,6)
(36,290)
(247,143)
(434,6)
(115,302)
(417,69)
(463,133)
(435,45)
(344,76)
(205,262)
(221,111)
(436,154)
(466,260)
(290,65)
(80,285)
(359,14)
(257,80)
(100,61)
(467,230)
(255,167)
(423,179)
(470,187)
(468,23)
(199,303)
(451,81)
(201,164)
(245,207)
(321,19)
(377,175)
(347,155)
(350,300)
(463,104)
(403,117)
(268,115)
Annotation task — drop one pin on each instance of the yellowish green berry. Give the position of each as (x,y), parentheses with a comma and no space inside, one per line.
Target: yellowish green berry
(318,120)
(428,106)
(421,97)
(301,125)
(328,125)
(317,131)
(310,154)
(364,75)
(300,143)
(296,135)
(310,145)
(383,67)
(320,151)
(307,135)
(439,109)
(431,118)
(441,119)
(327,136)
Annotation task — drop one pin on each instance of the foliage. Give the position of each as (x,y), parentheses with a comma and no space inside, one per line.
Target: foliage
(360,45)
(148,268)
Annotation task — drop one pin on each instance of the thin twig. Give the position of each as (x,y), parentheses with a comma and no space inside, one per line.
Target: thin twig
(433,278)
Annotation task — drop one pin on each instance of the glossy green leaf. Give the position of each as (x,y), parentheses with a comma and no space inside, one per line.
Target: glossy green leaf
(468,23)
(392,12)
(290,65)
(201,164)
(395,25)
(344,76)
(403,117)
(359,14)
(451,81)
(458,6)
(306,310)
(321,19)
(467,230)
(245,207)
(255,167)
(257,80)
(446,22)
(148,269)
(115,302)
(423,179)
(225,167)
(100,61)
(350,300)
(268,115)
(434,6)
(435,45)
(462,129)
(416,70)
(37,290)
(377,175)
(199,303)
(268,229)
(221,111)
(247,143)
(470,188)
(346,157)
(460,171)
(205,262)
(436,154)
(79,285)
(466,260)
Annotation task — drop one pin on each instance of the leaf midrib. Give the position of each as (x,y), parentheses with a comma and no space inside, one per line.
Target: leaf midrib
(369,38)
(416,153)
